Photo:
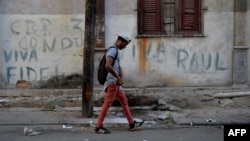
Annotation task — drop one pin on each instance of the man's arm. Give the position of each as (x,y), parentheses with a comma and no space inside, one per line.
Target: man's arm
(109,67)
(121,74)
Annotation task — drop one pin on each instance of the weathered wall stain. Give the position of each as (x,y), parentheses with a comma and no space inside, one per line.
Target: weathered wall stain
(155,50)
(142,48)
(148,50)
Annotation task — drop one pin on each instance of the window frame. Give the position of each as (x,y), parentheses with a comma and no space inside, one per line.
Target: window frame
(179,30)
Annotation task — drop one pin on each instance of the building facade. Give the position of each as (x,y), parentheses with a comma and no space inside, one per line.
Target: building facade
(175,43)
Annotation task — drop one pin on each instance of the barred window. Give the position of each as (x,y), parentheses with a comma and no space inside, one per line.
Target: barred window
(170,17)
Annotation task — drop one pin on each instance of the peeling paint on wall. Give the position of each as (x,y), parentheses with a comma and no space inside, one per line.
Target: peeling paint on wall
(142,47)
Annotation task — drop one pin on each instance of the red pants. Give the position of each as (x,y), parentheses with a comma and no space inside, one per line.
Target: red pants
(112,93)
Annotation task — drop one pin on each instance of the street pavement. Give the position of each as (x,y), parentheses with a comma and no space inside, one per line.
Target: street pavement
(72,116)
(57,133)
(66,123)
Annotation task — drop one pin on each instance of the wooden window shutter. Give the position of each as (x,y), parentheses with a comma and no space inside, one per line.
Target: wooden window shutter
(150,16)
(190,15)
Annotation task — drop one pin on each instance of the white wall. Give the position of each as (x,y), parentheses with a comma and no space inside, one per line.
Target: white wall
(176,61)
(37,47)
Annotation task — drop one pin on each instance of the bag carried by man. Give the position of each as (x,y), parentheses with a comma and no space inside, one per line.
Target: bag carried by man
(102,72)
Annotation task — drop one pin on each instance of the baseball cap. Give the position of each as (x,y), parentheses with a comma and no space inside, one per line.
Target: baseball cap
(125,36)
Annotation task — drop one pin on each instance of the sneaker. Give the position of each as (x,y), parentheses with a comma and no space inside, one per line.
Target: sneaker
(135,125)
(102,130)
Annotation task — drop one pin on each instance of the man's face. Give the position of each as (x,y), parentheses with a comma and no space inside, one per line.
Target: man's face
(123,44)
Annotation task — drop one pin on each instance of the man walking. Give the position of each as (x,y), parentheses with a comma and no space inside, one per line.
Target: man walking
(113,85)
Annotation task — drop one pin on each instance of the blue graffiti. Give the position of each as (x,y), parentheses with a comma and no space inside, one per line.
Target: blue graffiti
(183,58)
(29,72)
(66,43)
(20,55)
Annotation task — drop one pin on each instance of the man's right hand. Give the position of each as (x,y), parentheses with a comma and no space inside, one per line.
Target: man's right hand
(119,81)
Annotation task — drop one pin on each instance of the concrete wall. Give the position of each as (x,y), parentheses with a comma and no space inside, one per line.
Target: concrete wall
(42,39)
(201,61)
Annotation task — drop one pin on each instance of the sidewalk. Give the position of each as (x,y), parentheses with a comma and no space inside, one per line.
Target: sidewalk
(72,116)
